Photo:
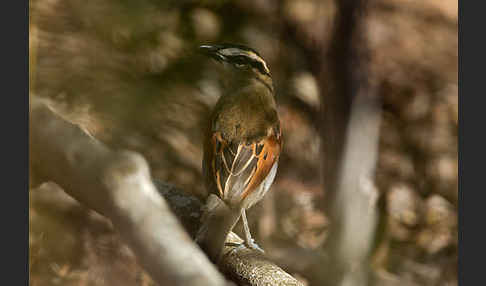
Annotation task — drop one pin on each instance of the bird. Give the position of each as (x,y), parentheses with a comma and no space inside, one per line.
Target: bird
(242,143)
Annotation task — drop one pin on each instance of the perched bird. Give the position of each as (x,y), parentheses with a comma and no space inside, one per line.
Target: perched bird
(242,143)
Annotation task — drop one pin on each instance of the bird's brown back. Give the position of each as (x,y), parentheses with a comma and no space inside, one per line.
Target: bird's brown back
(247,118)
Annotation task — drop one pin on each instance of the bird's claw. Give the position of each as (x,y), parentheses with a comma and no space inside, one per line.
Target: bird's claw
(247,244)
(237,248)
(252,245)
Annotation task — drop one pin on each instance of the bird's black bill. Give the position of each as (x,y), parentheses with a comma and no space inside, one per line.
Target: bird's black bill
(211,51)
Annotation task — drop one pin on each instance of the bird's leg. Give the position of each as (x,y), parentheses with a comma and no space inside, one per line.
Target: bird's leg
(248,240)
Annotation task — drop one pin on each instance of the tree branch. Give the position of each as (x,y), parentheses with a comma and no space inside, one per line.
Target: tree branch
(117,184)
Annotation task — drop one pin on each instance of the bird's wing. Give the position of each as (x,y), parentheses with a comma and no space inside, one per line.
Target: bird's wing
(238,168)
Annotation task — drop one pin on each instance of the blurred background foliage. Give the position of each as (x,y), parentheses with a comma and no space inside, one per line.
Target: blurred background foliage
(129,74)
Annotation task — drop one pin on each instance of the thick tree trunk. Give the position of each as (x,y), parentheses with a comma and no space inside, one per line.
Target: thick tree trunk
(351,119)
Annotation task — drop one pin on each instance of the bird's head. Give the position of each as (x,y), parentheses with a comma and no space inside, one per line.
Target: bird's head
(242,61)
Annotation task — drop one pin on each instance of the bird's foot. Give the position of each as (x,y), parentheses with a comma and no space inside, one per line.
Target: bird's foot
(244,245)
(237,247)
(252,245)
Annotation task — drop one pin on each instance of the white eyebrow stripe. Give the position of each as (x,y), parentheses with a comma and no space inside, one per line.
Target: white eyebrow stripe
(231,52)
(265,66)
(259,59)
(250,54)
